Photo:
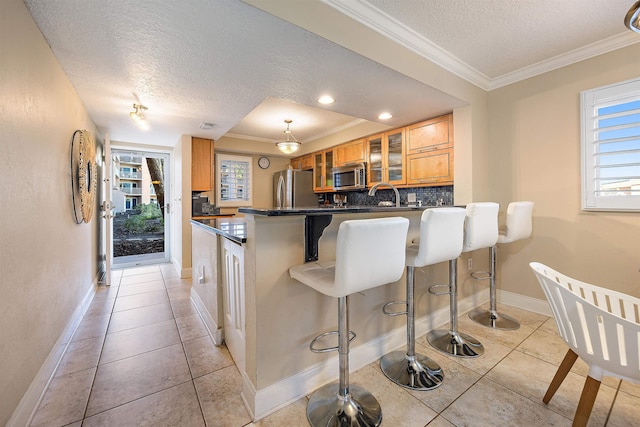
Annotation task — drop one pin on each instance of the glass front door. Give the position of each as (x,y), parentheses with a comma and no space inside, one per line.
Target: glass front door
(139,189)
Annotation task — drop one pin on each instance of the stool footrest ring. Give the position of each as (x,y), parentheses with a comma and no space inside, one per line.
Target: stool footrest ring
(481,275)
(394,313)
(352,336)
(432,290)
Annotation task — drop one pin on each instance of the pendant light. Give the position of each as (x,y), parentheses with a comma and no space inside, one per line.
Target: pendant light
(290,145)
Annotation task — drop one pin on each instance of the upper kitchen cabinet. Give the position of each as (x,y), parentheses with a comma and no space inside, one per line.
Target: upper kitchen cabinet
(322,170)
(434,134)
(303,162)
(429,158)
(385,160)
(201,164)
(350,152)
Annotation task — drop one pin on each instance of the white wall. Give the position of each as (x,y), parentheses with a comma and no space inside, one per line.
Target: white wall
(535,155)
(48,264)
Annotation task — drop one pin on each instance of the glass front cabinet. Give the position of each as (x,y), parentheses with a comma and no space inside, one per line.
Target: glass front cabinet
(323,170)
(386,158)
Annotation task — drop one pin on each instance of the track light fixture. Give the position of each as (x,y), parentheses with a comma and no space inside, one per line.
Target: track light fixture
(137,116)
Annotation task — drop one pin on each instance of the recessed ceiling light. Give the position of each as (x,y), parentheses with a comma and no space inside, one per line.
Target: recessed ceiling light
(326,99)
(205,125)
(385,116)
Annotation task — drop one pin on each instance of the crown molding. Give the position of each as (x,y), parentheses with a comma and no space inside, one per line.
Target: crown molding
(592,50)
(372,17)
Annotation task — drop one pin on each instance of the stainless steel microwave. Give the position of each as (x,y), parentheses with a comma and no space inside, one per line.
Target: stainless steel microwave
(350,177)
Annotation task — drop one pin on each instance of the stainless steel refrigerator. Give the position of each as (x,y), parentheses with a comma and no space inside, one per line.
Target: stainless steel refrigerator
(293,189)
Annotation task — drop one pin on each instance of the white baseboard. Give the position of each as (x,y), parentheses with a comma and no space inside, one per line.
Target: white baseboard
(540,306)
(29,403)
(214,330)
(184,273)
(261,403)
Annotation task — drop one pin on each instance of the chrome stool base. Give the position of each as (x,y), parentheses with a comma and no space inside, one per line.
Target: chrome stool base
(357,409)
(494,320)
(455,344)
(416,373)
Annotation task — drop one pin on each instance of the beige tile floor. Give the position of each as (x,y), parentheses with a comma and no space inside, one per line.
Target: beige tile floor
(142,357)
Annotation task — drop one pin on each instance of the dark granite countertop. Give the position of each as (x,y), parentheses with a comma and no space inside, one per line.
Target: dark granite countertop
(234,229)
(329,210)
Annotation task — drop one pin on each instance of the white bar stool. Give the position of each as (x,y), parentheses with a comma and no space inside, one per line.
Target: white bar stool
(480,231)
(518,226)
(441,237)
(369,253)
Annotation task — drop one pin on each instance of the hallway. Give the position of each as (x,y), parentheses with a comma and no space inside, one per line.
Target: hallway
(142,357)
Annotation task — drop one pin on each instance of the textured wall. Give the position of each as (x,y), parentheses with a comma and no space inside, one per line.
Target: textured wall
(47,262)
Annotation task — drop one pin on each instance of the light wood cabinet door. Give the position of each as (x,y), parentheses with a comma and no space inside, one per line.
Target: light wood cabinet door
(303,163)
(201,164)
(323,170)
(386,158)
(430,168)
(434,134)
(350,153)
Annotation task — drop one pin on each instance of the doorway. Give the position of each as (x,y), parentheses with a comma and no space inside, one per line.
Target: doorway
(139,191)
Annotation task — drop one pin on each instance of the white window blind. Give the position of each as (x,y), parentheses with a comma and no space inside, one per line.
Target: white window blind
(233,181)
(611,147)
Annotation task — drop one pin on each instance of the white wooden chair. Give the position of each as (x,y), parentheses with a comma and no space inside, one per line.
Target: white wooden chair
(599,325)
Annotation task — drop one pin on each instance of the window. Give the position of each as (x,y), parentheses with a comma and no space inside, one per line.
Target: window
(233,183)
(611,147)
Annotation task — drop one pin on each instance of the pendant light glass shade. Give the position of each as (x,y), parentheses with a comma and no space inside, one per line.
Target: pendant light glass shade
(632,20)
(290,145)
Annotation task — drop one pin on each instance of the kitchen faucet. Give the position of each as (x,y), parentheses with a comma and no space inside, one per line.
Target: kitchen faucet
(373,189)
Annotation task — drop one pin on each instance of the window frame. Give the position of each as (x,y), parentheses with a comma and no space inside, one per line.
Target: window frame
(590,102)
(220,158)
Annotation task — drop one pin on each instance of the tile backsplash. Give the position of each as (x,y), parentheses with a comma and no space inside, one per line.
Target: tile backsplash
(429,196)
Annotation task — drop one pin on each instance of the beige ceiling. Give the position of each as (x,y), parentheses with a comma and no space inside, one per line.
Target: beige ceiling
(246,69)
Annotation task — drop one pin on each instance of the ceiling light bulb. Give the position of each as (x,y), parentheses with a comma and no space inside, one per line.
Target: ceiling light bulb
(326,99)
(138,117)
(385,116)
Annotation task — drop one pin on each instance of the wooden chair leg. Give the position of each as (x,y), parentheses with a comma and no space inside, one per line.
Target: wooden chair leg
(587,399)
(564,368)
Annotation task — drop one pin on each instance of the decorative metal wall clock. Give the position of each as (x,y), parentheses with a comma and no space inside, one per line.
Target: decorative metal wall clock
(83,175)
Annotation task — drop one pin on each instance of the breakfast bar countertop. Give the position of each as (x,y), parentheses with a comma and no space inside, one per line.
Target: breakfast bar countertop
(329,210)
(234,229)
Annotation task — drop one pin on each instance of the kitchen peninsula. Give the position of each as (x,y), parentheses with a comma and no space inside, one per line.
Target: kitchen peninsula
(241,285)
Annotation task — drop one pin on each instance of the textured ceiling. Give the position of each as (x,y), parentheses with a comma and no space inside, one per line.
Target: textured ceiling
(245,70)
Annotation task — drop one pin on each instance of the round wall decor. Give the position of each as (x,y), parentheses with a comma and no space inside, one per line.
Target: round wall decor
(83,175)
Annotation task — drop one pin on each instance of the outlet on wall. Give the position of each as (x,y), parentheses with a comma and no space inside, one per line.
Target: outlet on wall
(469,264)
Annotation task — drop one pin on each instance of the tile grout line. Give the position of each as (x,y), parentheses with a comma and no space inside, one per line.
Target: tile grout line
(184,351)
(104,340)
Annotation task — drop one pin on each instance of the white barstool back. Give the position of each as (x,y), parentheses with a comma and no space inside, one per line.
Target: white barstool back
(480,226)
(519,222)
(441,235)
(367,254)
